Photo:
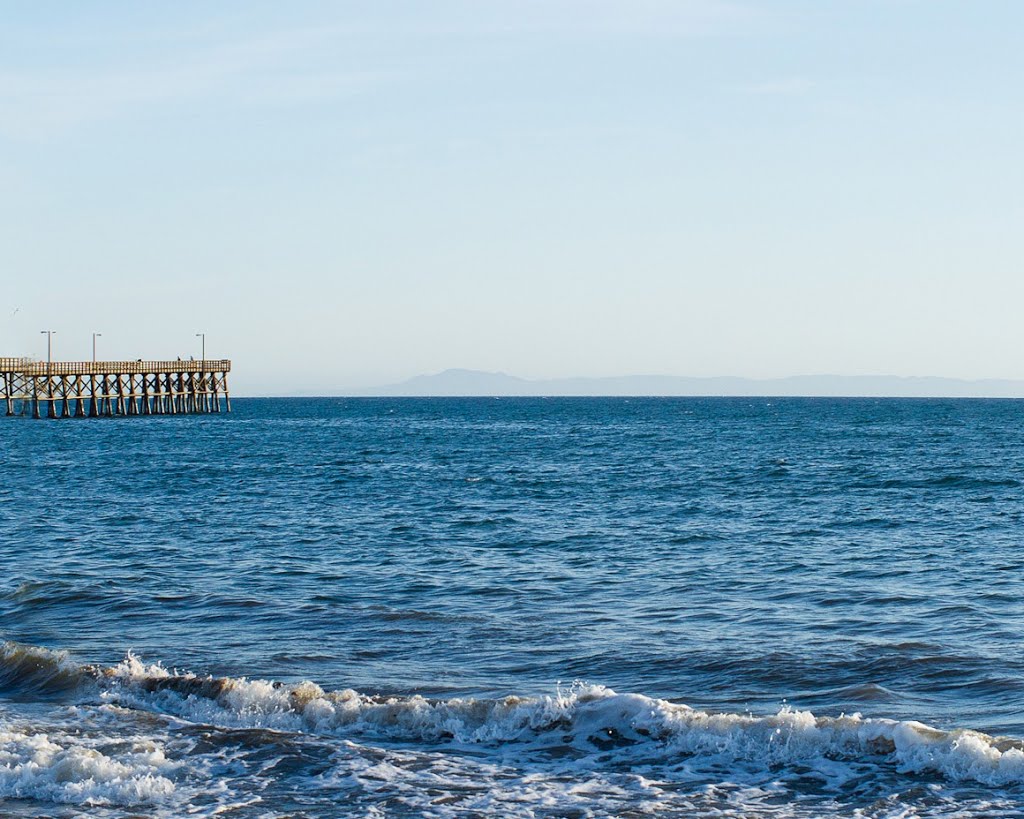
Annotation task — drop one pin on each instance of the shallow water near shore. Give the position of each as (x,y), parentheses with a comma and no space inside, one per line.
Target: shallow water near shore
(523,607)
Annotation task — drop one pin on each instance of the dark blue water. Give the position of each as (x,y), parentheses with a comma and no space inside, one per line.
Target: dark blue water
(343,594)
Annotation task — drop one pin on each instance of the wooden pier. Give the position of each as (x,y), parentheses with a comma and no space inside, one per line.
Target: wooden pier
(91,389)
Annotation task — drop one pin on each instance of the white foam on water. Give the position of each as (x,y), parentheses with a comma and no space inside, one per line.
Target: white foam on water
(583,750)
(104,760)
(588,718)
(63,768)
(441,785)
(386,782)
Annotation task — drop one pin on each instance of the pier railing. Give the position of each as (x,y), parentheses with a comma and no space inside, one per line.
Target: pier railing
(26,366)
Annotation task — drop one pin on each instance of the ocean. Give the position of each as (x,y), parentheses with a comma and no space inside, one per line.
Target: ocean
(736,607)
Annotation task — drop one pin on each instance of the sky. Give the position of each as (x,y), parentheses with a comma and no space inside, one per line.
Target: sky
(343,194)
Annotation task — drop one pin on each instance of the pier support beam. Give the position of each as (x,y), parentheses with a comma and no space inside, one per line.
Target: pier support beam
(58,389)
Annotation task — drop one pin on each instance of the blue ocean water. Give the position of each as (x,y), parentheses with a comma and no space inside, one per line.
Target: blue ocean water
(516,607)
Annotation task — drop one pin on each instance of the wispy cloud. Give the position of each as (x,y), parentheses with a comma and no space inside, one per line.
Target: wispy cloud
(112,74)
(787,86)
(37,102)
(588,17)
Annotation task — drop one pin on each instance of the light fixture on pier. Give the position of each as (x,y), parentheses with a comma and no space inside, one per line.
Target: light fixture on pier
(49,347)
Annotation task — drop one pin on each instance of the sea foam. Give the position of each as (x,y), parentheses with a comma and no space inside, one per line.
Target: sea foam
(63,768)
(592,725)
(587,718)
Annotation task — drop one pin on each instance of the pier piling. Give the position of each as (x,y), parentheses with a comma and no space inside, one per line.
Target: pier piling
(90,389)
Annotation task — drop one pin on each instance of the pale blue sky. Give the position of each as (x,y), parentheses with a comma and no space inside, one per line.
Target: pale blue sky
(349,193)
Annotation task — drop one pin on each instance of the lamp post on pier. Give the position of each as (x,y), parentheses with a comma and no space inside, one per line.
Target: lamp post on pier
(49,347)
(94,337)
(51,411)
(203,398)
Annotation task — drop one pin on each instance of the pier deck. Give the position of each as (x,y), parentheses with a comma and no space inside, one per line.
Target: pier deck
(80,389)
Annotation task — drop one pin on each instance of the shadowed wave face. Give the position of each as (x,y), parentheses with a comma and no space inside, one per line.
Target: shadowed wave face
(527,607)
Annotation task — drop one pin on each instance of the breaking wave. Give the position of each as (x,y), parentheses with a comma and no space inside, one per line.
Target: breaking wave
(58,767)
(582,721)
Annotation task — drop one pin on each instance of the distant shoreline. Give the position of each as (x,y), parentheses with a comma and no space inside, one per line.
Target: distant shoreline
(461,383)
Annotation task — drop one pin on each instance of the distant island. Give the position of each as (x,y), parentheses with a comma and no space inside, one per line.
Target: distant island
(461,382)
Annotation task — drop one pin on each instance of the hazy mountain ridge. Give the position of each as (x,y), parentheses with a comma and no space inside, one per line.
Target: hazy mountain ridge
(462,382)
